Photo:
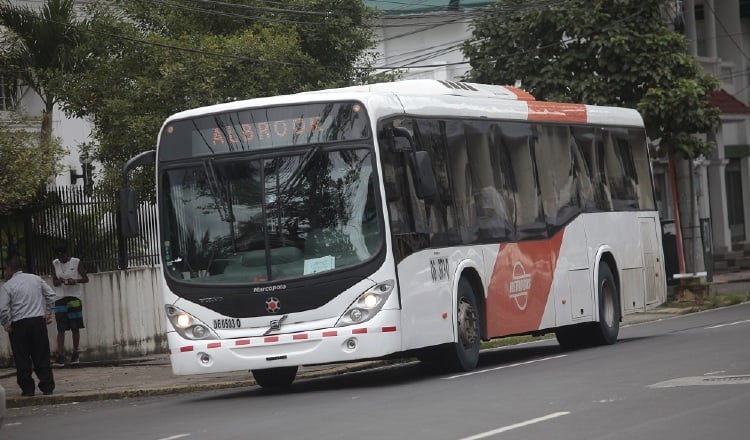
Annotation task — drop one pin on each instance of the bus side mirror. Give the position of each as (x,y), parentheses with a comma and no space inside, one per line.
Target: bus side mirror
(129,212)
(401,140)
(425,185)
(128,198)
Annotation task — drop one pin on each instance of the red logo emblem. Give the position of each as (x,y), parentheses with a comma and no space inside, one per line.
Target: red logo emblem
(273,305)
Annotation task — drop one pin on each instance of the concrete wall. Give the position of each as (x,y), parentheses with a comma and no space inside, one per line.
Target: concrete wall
(124,317)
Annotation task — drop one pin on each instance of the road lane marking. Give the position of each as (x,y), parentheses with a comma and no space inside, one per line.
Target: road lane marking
(174,437)
(727,325)
(516,426)
(471,373)
(740,379)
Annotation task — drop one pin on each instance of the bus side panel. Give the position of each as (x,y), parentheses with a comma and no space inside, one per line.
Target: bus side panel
(519,291)
(426,284)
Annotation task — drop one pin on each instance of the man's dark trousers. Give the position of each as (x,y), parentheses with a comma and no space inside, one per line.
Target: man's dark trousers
(30,345)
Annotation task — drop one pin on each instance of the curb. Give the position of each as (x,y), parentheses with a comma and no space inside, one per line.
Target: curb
(20,402)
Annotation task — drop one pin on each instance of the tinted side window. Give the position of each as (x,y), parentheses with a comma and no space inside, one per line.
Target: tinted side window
(591,150)
(517,140)
(462,181)
(492,192)
(639,147)
(621,174)
(441,220)
(406,211)
(557,174)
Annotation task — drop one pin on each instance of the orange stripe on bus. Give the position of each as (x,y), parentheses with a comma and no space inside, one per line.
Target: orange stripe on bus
(557,112)
(520,285)
(521,95)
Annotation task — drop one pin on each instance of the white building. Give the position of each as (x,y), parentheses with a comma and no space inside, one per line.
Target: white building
(16,97)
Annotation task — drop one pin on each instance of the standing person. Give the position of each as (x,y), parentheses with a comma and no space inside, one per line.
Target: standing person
(26,305)
(70,274)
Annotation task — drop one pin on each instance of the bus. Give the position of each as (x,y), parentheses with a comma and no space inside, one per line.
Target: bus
(410,218)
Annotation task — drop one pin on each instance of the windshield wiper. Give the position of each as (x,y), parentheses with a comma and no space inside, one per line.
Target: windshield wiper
(223,205)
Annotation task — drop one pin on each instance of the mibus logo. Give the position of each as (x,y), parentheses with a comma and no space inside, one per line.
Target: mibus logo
(520,285)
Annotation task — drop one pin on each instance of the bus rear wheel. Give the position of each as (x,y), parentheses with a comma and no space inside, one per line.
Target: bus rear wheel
(275,377)
(463,355)
(606,330)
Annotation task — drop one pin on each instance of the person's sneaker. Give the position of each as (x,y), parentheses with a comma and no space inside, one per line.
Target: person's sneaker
(60,360)
(75,359)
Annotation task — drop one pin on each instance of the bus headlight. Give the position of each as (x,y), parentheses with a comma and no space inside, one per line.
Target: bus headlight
(366,305)
(188,326)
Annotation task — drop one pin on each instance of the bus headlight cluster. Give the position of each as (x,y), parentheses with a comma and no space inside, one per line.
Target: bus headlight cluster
(188,326)
(367,304)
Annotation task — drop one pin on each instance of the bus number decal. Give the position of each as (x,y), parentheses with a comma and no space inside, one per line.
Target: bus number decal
(226,323)
(439,269)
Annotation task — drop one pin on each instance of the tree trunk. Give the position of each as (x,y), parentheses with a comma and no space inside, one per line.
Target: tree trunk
(689,216)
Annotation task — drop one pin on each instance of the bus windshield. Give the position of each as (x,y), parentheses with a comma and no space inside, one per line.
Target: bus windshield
(254,220)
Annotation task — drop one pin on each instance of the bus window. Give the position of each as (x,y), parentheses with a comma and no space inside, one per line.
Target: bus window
(621,175)
(406,211)
(461,181)
(556,181)
(591,150)
(639,147)
(584,187)
(492,194)
(441,222)
(517,139)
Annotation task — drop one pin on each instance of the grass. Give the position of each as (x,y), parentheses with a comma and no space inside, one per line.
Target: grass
(719,299)
(514,340)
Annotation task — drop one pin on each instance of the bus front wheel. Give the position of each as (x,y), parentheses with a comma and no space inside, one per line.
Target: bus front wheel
(464,352)
(275,377)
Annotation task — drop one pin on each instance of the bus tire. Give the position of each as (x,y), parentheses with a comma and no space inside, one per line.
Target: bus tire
(605,331)
(275,377)
(464,352)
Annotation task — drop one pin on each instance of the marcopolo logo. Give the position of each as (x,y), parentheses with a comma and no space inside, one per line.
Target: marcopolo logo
(520,285)
(269,288)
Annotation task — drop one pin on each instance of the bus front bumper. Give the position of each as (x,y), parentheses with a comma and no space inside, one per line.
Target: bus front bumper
(373,339)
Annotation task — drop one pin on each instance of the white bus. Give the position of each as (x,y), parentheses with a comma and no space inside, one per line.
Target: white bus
(414,217)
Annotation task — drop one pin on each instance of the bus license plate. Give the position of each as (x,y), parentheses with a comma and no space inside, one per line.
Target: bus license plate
(222,324)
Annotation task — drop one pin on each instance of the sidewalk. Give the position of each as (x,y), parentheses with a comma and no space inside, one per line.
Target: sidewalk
(152,375)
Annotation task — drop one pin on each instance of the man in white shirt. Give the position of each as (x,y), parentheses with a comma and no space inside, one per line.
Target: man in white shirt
(26,305)
(68,276)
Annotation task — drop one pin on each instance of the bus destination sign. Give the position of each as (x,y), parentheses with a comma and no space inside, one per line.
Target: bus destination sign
(255,129)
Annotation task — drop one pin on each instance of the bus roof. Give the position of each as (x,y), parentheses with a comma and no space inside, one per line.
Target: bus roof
(444,98)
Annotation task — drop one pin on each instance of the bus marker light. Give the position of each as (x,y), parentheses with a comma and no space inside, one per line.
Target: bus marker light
(242,342)
(445,315)
(330,333)
(389,329)
(214,345)
(186,348)
(359,331)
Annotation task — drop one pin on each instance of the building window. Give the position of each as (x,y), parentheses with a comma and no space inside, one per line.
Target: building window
(8,93)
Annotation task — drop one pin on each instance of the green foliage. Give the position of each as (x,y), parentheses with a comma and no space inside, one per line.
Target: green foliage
(39,45)
(602,52)
(146,61)
(26,163)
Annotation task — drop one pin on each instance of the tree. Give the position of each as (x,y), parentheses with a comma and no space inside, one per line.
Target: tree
(148,60)
(41,46)
(605,52)
(26,162)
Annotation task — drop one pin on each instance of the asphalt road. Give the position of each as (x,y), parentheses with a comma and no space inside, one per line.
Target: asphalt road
(683,378)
